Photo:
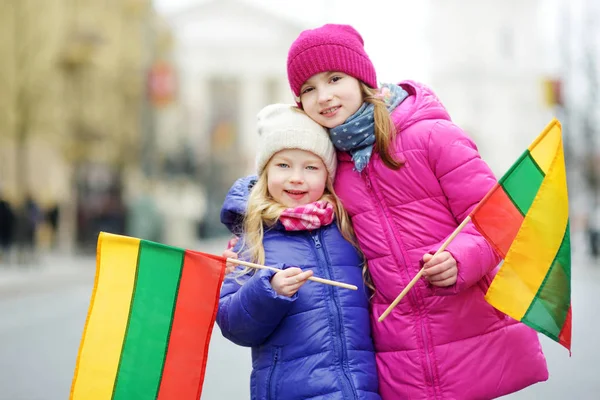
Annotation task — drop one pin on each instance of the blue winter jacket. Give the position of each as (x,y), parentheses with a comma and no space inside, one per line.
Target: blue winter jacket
(316,344)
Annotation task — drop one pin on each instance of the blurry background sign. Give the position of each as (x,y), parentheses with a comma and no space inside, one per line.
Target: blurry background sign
(161,84)
(553,92)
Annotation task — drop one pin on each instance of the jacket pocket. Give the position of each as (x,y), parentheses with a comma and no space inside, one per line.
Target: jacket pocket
(272,377)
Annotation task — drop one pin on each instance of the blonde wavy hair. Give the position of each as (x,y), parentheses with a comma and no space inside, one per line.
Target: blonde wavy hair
(385,130)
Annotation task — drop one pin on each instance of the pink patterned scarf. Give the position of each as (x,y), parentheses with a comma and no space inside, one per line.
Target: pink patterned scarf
(308,216)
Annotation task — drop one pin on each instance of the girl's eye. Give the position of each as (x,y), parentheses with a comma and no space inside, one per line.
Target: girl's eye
(312,168)
(335,78)
(283,165)
(306,90)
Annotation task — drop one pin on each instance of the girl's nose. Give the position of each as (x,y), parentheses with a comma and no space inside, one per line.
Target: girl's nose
(297,177)
(325,96)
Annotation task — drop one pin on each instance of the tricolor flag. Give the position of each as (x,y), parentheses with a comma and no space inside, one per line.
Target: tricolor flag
(526,219)
(149,322)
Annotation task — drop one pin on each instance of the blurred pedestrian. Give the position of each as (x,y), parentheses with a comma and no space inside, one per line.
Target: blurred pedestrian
(29,218)
(308,340)
(593,231)
(7,227)
(52,217)
(112,214)
(143,217)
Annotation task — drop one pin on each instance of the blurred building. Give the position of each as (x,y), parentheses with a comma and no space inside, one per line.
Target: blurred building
(73,74)
(487,66)
(231,62)
(579,40)
(503,74)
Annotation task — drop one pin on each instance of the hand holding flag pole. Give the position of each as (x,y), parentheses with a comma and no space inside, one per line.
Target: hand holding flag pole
(420,274)
(525,218)
(312,278)
(168,293)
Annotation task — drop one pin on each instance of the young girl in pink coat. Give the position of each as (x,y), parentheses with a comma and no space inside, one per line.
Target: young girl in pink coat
(408,176)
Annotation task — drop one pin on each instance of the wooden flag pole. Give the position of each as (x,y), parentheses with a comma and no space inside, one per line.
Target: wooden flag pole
(420,274)
(312,278)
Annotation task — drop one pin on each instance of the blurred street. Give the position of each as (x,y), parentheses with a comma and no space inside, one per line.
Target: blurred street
(574,377)
(44,308)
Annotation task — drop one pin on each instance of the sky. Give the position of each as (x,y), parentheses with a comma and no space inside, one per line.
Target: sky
(393,31)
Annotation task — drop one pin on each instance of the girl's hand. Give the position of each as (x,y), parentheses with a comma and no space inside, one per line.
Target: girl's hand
(440,270)
(228,253)
(287,282)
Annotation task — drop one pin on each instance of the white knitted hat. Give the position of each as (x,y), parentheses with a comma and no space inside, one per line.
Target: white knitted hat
(285,126)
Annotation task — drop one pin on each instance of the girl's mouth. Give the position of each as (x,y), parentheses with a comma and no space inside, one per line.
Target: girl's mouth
(295,194)
(331,111)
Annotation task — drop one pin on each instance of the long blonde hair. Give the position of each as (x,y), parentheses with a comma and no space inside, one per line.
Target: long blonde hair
(262,211)
(385,130)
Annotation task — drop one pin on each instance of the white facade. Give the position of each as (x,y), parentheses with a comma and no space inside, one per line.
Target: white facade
(232,41)
(487,67)
(231,61)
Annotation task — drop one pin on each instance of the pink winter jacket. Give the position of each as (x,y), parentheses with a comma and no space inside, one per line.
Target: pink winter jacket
(438,343)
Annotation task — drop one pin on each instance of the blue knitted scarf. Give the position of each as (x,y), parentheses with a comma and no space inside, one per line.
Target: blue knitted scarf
(357,134)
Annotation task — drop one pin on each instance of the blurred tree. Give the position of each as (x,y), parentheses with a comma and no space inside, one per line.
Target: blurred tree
(73,74)
(26,73)
(78,56)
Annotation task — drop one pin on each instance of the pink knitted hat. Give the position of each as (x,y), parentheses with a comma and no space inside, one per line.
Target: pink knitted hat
(329,48)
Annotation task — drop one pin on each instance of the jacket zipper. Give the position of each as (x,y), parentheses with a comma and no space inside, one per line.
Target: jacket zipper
(411,293)
(429,372)
(270,388)
(340,345)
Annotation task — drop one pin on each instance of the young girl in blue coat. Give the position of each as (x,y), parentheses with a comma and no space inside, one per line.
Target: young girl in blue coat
(309,340)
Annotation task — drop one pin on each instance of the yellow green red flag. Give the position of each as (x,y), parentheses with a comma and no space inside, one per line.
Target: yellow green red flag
(525,217)
(149,322)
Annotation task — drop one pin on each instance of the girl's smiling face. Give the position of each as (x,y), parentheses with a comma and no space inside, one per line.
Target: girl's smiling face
(296,177)
(330,98)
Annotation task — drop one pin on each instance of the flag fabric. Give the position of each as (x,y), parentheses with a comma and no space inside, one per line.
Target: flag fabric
(149,322)
(525,217)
